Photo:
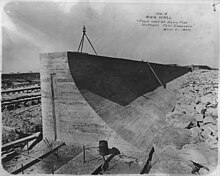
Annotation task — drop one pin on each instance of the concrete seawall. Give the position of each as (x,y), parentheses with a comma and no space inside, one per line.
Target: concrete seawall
(94,97)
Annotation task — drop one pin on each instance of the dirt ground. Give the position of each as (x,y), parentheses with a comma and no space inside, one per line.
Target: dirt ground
(21,122)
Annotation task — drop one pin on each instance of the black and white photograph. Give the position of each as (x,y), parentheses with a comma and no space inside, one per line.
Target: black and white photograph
(100,87)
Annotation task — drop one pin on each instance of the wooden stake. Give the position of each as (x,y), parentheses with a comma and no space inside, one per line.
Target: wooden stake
(84,154)
(52,168)
(155,75)
(27,147)
(22,169)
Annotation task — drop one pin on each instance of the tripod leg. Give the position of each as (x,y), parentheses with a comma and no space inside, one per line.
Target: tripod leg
(91,44)
(80,44)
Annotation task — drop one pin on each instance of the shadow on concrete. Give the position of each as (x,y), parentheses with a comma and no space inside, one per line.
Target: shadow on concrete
(119,80)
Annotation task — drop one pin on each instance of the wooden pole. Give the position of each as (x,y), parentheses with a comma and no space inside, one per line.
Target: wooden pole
(57,155)
(155,75)
(104,166)
(52,168)
(84,154)
(22,169)
(27,147)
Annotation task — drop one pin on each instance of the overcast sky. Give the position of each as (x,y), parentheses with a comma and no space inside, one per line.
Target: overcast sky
(31,28)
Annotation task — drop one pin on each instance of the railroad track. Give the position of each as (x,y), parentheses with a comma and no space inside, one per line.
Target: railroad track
(20,98)
(27,100)
(23,100)
(20,86)
(27,90)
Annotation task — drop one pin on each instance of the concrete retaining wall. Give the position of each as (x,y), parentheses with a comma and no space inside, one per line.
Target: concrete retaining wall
(75,121)
(105,98)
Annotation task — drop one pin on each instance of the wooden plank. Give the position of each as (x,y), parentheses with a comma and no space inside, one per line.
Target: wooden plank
(11,144)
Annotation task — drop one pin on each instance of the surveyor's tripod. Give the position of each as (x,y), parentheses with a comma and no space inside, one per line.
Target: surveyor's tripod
(82,41)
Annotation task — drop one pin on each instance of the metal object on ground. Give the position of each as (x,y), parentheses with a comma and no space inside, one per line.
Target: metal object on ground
(103,151)
(103,148)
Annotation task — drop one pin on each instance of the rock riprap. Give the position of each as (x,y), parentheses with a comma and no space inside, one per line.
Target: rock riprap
(189,142)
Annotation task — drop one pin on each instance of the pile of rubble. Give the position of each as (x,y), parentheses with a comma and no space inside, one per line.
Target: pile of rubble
(188,143)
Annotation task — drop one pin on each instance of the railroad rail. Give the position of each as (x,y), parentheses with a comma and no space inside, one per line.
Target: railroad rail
(28,89)
(20,85)
(20,98)
(27,100)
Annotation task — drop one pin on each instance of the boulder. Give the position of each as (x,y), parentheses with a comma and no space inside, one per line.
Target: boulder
(171,135)
(213,105)
(200,153)
(170,165)
(199,117)
(187,109)
(203,171)
(201,92)
(213,143)
(194,155)
(167,161)
(207,99)
(196,134)
(197,99)
(200,107)
(209,120)
(212,111)
(206,134)
(181,120)
(212,128)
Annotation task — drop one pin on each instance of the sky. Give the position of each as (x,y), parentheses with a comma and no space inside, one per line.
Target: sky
(30,28)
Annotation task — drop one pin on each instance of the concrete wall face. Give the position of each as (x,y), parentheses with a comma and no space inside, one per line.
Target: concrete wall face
(75,121)
(78,114)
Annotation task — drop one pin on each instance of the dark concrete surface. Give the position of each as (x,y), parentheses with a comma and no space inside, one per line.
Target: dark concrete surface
(119,80)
